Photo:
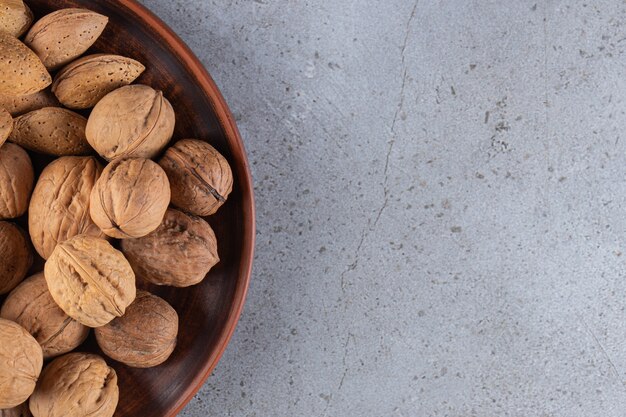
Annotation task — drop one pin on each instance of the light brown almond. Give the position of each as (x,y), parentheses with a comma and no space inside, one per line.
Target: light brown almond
(64,35)
(15,17)
(81,84)
(18,105)
(6,125)
(51,130)
(21,71)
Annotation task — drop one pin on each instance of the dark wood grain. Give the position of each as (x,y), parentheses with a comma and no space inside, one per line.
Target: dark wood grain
(209,311)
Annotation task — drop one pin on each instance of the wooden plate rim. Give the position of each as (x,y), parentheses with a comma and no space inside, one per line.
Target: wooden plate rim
(227,124)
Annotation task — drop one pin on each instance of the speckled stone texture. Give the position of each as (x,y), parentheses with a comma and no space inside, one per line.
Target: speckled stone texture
(441,192)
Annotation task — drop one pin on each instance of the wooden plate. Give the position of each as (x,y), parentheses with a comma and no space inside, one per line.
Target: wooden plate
(209,311)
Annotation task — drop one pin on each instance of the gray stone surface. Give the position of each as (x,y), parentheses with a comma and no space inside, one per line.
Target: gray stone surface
(441,205)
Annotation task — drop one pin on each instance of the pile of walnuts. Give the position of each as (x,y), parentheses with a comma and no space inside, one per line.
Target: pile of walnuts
(115,178)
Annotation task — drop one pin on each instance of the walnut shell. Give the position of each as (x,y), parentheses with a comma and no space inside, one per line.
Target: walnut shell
(15,17)
(6,125)
(143,337)
(135,120)
(18,105)
(31,306)
(130,198)
(199,175)
(51,130)
(59,206)
(179,253)
(16,256)
(84,82)
(21,71)
(16,181)
(21,410)
(21,360)
(76,385)
(90,280)
(64,35)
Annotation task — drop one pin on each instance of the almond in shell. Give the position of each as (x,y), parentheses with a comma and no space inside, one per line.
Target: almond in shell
(6,125)
(15,17)
(21,71)
(64,35)
(81,84)
(51,130)
(18,105)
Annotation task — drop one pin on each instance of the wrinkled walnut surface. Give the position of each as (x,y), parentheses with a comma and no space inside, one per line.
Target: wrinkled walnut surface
(130,198)
(16,181)
(143,337)
(199,175)
(16,256)
(59,206)
(134,120)
(76,385)
(179,253)
(21,360)
(90,280)
(31,306)
(21,410)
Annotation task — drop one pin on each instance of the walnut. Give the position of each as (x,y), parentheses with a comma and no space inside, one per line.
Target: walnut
(179,253)
(21,360)
(134,120)
(143,337)
(200,177)
(16,256)
(21,410)
(76,385)
(130,198)
(59,206)
(16,181)
(31,306)
(90,280)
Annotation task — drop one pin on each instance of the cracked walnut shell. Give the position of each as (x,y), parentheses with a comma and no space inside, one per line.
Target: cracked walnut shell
(179,253)
(76,385)
(143,337)
(16,181)
(16,256)
(130,198)
(90,280)
(59,206)
(200,176)
(31,306)
(135,120)
(21,360)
